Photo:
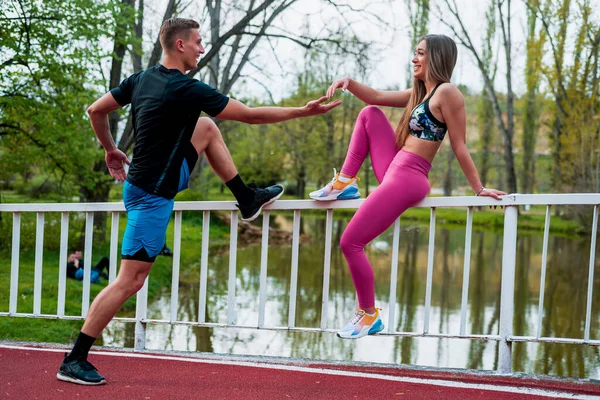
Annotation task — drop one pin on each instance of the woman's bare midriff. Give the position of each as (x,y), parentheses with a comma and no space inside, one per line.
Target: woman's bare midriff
(424,148)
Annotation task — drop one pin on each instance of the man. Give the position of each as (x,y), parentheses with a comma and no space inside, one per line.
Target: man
(75,268)
(169,137)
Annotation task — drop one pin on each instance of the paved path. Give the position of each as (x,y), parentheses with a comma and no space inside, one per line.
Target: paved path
(30,373)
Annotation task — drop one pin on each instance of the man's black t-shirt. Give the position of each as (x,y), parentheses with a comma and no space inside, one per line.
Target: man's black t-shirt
(71,269)
(166,105)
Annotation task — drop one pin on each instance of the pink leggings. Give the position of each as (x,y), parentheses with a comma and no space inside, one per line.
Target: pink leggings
(402,180)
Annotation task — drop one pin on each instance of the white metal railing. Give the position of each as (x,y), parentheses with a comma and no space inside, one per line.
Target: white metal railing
(505,335)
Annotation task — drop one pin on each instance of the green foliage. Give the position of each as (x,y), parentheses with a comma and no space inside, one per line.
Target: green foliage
(49,56)
(257,151)
(52,229)
(574,80)
(297,151)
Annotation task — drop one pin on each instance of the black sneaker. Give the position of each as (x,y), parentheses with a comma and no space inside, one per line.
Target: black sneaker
(166,251)
(79,371)
(262,197)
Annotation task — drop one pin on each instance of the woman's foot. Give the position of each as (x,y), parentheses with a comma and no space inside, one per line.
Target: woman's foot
(361,324)
(337,190)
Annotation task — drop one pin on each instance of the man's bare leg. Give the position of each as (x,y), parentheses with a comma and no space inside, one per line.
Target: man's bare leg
(107,303)
(75,368)
(208,139)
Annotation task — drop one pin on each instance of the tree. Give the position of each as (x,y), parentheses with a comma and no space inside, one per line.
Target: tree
(574,83)
(418,14)
(505,123)
(533,72)
(48,63)
(485,113)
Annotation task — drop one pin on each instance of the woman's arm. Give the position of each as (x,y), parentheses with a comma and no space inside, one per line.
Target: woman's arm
(369,95)
(453,110)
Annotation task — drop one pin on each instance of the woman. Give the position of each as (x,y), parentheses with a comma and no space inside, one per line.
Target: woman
(401,161)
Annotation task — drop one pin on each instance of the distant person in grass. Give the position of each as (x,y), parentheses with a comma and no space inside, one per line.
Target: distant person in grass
(169,137)
(75,268)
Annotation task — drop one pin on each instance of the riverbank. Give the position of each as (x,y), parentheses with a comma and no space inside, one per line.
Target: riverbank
(531,222)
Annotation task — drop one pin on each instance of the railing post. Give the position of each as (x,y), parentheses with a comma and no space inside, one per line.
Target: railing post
(14,263)
(141,304)
(507,294)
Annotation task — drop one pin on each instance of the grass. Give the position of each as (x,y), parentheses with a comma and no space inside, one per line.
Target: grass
(65,331)
(529,223)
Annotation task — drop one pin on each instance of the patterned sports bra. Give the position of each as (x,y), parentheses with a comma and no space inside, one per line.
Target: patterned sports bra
(424,125)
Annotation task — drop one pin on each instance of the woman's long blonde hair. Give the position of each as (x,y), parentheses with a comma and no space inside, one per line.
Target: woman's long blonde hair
(441,59)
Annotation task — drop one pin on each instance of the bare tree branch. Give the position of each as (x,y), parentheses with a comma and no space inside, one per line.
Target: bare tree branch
(237,29)
(136,54)
(157,49)
(507,131)
(229,81)
(262,84)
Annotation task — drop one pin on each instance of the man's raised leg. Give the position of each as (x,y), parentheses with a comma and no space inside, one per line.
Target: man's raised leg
(207,138)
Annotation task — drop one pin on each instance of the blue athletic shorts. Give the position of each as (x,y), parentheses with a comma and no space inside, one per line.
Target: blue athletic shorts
(148,216)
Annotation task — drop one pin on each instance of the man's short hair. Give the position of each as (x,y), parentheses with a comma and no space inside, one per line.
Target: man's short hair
(175,28)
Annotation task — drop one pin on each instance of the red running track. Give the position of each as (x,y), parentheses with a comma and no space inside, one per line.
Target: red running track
(30,373)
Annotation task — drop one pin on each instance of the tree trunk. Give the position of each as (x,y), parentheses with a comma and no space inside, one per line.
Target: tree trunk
(418,12)
(507,129)
(448,177)
(485,117)
(99,191)
(530,123)
(301,182)
(529,134)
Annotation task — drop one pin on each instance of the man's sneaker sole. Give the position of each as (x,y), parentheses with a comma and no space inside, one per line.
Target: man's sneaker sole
(66,378)
(375,328)
(252,218)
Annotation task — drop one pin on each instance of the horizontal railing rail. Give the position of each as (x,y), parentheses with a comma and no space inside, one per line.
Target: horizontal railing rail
(505,335)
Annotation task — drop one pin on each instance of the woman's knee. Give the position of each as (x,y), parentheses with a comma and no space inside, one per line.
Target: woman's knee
(371,111)
(348,244)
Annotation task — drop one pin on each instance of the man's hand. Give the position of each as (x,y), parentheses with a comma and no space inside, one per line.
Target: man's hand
(317,107)
(114,161)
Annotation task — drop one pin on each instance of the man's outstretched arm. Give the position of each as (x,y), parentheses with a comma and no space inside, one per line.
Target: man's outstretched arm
(238,111)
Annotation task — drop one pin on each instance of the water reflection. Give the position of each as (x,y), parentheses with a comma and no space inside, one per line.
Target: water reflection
(564,304)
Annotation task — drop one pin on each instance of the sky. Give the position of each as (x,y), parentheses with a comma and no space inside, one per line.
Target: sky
(280,60)
(389,65)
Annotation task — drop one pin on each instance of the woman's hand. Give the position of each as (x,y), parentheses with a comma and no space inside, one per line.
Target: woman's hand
(337,84)
(491,193)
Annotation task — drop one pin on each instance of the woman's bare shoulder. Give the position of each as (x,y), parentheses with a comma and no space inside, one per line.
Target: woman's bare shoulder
(450,93)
